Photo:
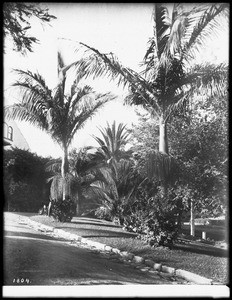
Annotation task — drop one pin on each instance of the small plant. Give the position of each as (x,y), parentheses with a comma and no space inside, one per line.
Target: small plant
(103,213)
(63,210)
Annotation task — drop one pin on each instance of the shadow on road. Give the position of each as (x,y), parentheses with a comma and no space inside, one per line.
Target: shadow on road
(30,235)
(90,232)
(94,223)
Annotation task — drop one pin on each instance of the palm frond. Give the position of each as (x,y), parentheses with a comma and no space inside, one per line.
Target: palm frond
(179,103)
(162,27)
(207,24)
(53,165)
(99,64)
(33,79)
(210,79)
(89,109)
(21,112)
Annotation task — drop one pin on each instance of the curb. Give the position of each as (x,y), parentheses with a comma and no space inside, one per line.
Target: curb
(188,276)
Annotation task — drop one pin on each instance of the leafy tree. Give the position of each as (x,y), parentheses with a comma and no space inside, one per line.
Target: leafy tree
(59,112)
(199,142)
(168,80)
(25,187)
(16,23)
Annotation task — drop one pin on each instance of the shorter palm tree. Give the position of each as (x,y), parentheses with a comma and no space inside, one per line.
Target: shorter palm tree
(120,192)
(112,144)
(59,112)
(87,173)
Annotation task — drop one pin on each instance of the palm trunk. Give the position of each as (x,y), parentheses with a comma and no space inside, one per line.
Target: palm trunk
(163,139)
(78,204)
(78,208)
(163,147)
(64,171)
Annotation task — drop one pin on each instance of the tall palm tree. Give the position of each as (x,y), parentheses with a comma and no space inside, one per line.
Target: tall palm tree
(168,81)
(59,112)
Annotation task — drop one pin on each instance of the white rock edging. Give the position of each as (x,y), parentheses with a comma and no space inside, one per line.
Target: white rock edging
(193,277)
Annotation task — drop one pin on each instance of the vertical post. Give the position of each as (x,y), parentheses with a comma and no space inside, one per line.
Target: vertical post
(192,219)
(203,235)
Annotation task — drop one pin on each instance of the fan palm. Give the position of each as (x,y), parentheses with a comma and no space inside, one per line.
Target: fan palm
(168,80)
(58,112)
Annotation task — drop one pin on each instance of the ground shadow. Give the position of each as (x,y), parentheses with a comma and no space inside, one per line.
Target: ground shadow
(99,232)
(93,223)
(201,249)
(30,235)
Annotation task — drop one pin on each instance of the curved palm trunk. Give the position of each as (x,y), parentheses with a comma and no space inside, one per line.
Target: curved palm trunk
(64,171)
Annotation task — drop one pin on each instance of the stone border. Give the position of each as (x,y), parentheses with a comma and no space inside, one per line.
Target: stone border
(188,276)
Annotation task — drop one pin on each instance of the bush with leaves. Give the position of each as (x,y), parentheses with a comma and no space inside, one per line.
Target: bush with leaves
(63,210)
(24,177)
(158,223)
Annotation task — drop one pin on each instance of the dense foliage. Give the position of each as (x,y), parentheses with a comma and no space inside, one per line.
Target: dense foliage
(25,187)
(199,145)
(63,211)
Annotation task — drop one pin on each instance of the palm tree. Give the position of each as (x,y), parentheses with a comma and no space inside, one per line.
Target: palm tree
(114,138)
(87,173)
(168,81)
(59,112)
(113,153)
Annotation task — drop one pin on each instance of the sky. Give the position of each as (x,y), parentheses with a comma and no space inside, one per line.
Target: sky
(123,29)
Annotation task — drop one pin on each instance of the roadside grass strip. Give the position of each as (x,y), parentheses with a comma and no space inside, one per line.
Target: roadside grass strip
(141,261)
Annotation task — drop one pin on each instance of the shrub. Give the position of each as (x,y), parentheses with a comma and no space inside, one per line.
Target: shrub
(63,210)
(103,213)
(24,175)
(158,223)
(22,196)
(153,228)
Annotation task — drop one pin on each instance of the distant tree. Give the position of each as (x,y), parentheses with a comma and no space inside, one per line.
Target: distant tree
(16,23)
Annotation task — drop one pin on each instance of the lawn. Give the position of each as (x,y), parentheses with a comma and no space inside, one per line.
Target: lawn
(213,232)
(199,258)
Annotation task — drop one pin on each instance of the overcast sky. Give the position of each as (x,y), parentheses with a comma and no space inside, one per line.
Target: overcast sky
(123,29)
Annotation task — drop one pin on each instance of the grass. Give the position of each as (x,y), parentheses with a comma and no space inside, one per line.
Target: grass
(201,259)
